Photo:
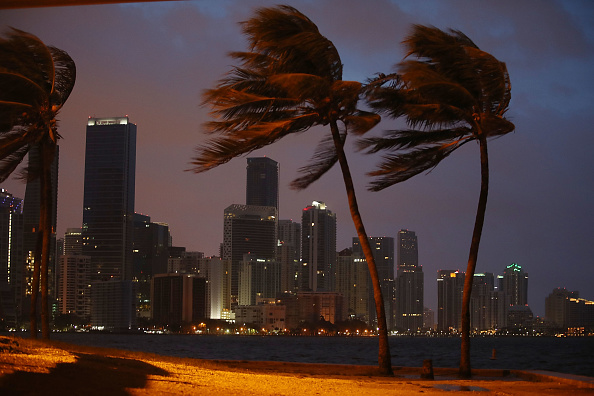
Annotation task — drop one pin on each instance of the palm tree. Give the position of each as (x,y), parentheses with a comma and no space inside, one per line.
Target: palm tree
(451,94)
(35,81)
(290,81)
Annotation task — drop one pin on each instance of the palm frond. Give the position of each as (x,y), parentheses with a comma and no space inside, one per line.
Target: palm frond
(321,162)
(10,162)
(65,76)
(360,122)
(400,167)
(410,139)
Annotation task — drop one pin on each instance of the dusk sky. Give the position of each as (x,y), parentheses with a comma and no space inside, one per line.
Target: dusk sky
(151,61)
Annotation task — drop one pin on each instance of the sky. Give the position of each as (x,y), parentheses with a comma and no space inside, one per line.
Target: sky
(152,61)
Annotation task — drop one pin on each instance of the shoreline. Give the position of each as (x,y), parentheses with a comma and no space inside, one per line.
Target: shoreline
(37,367)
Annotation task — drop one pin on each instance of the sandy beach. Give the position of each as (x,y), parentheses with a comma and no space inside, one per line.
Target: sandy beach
(37,368)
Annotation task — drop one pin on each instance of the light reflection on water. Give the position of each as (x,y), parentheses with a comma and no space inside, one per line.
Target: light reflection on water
(568,355)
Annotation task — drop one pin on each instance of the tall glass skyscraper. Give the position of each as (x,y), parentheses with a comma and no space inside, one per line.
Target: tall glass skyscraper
(409,283)
(248,229)
(262,182)
(108,203)
(318,244)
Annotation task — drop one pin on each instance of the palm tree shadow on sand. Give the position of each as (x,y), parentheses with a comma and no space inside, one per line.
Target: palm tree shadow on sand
(92,373)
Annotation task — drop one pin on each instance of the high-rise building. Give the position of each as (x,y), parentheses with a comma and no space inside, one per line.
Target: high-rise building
(515,284)
(352,281)
(108,203)
(248,230)
(73,242)
(289,253)
(482,289)
(262,182)
(567,310)
(318,248)
(178,299)
(450,285)
(11,257)
(73,289)
(108,220)
(258,278)
(409,283)
(383,254)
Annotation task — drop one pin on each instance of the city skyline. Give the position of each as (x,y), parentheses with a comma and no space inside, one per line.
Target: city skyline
(151,61)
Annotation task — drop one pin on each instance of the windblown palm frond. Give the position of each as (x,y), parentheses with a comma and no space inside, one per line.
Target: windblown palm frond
(289,81)
(35,82)
(449,94)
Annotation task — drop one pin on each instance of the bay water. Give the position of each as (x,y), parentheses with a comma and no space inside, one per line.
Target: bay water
(572,355)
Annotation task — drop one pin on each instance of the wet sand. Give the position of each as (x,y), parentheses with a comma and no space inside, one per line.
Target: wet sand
(37,368)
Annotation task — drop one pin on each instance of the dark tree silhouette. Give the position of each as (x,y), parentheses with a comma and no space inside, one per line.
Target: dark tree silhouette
(451,94)
(289,81)
(35,81)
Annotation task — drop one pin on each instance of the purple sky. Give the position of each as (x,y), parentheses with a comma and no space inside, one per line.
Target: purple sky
(151,61)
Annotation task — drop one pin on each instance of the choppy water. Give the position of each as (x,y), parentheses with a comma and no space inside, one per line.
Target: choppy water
(566,355)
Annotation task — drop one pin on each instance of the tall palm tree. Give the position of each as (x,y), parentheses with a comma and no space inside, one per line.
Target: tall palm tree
(290,81)
(451,94)
(35,81)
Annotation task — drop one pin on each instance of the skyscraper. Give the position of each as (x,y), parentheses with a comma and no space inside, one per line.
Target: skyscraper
(248,229)
(383,254)
(318,248)
(450,285)
(262,182)
(108,203)
(289,253)
(11,257)
(409,283)
(515,284)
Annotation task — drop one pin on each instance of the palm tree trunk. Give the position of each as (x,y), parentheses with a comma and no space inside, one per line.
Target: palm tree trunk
(46,226)
(35,284)
(384,356)
(465,369)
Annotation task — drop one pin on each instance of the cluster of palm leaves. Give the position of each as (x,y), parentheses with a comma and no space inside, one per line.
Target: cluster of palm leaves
(35,81)
(447,89)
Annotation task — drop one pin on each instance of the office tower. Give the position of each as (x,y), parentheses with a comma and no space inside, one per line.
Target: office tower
(150,257)
(383,254)
(31,207)
(108,203)
(73,286)
(450,286)
(248,229)
(352,281)
(11,257)
(270,317)
(515,284)
(409,283)
(218,275)
(312,307)
(318,248)
(262,182)
(178,299)
(567,310)
(113,305)
(258,278)
(428,318)
(151,247)
(482,287)
(73,242)
(289,253)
